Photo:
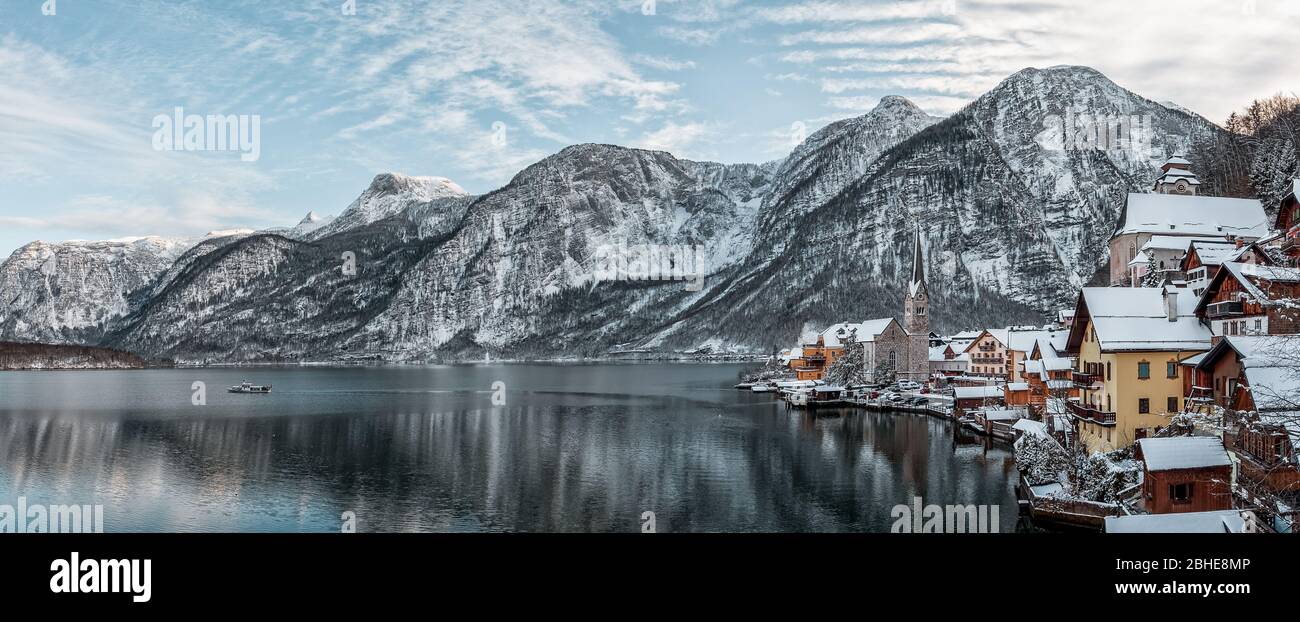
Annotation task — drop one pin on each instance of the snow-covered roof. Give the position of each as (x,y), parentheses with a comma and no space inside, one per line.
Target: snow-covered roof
(1017,386)
(1180,242)
(1215,253)
(1029,426)
(1002,414)
(1249,275)
(1176,175)
(1183,452)
(1174,214)
(1177,159)
(1024,340)
(1140,259)
(868,330)
(1194,360)
(1134,318)
(1218,521)
(1057,364)
(971,393)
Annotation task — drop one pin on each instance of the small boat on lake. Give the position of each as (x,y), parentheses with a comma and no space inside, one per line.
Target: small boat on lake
(248,387)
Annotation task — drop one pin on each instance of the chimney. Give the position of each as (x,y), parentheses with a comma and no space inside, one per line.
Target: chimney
(1171,305)
(1240,242)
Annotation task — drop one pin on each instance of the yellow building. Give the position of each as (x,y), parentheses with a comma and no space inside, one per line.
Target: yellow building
(1128,342)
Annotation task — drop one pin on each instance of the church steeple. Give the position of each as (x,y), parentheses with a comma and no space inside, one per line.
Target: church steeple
(918,265)
(916,316)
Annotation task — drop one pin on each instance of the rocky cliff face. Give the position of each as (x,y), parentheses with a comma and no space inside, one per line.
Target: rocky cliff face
(69,292)
(1014,211)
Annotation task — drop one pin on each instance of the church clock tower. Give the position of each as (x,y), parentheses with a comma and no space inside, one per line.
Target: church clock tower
(916,318)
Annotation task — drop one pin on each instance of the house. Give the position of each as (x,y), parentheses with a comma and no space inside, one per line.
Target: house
(988,354)
(1021,345)
(1016,394)
(1203,260)
(1174,209)
(1220,521)
(1288,224)
(1128,344)
(947,361)
(1064,318)
(1251,299)
(1185,474)
(1262,420)
(817,357)
(1166,253)
(966,399)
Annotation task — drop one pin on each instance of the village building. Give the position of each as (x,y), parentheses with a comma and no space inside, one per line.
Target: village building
(988,354)
(1203,259)
(1262,408)
(946,361)
(1185,474)
(968,399)
(1128,344)
(1251,299)
(1288,224)
(1173,208)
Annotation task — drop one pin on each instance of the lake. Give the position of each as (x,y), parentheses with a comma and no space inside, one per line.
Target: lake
(552,447)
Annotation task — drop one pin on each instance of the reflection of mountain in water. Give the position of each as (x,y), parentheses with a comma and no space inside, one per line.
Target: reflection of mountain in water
(527,469)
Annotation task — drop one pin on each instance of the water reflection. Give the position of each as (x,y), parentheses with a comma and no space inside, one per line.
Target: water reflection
(565,454)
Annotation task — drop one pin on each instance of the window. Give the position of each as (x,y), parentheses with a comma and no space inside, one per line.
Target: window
(1180,493)
(1144,405)
(1224,329)
(1172,404)
(1108,370)
(1233,327)
(1171,369)
(1259,325)
(1144,370)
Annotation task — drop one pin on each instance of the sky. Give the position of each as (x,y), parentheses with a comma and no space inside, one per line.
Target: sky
(341,90)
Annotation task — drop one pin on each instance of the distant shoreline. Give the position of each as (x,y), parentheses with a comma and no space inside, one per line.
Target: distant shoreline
(21,356)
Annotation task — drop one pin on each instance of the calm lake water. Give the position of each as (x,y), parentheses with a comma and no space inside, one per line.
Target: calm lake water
(574,448)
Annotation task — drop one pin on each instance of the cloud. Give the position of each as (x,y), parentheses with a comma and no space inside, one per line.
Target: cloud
(680,139)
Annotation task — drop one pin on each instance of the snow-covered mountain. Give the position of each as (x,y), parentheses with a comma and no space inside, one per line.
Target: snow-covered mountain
(1014,219)
(68,292)
(390,194)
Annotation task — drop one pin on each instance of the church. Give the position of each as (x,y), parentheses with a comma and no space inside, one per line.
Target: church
(902,351)
(1174,211)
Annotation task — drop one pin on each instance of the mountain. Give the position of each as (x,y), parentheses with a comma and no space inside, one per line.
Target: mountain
(390,194)
(1013,211)
(69,292)
(1013,222)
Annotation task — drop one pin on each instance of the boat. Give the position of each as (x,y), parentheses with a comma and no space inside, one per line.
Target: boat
(745,385)
(763,388)
(248,387)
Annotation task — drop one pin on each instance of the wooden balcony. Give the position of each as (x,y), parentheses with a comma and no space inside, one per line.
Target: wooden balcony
(1084,380)
(1224,309)
(1092,414)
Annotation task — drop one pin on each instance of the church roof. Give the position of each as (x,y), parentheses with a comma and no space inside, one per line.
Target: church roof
(918,264)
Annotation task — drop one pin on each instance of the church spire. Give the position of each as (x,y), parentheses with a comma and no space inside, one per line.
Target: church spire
(918,263)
